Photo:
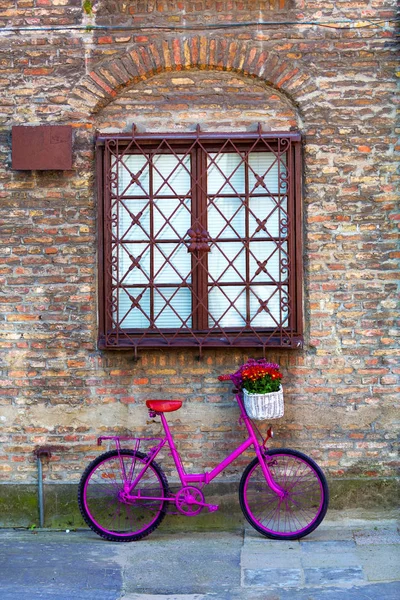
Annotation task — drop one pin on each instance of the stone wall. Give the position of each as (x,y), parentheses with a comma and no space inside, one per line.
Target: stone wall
(336,85)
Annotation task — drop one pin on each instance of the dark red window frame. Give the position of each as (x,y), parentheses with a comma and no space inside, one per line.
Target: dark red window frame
(202,329)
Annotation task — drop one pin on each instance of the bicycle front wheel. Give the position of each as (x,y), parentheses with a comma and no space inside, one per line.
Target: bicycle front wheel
(306,495)
(105,508)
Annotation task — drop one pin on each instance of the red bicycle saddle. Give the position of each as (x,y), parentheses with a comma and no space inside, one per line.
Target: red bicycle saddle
(164,405)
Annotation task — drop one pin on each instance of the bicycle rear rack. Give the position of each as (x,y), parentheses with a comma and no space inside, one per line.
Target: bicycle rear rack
(137,441)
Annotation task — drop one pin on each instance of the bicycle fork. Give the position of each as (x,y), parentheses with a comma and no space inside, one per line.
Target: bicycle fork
(275,487)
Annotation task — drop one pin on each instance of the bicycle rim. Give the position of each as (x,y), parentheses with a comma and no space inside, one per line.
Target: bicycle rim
(100,496)
(304,505)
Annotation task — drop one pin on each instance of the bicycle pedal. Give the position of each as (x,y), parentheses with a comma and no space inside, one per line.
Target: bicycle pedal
(212,507)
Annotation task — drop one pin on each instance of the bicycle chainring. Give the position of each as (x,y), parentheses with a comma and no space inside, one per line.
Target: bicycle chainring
(189,500)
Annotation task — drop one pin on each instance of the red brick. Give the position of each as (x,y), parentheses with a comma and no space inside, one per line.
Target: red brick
(38,71)
(105,39)
(102,84)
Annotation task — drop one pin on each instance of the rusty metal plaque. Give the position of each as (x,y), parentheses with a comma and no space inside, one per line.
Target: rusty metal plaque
(42,148)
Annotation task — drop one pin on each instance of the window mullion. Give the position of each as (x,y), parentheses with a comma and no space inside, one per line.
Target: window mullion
(280,241)
(152,240)
(194,194)
(247,239)
(201,258)
(291,233)
(297,265)
(117,289)
(103,161)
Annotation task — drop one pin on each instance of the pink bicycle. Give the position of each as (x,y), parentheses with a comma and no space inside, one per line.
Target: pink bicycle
(123,494)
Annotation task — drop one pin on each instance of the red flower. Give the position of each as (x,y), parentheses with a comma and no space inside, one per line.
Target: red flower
(259,378)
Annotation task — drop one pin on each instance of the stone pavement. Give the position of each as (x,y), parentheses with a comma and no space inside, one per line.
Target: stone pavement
(346,558)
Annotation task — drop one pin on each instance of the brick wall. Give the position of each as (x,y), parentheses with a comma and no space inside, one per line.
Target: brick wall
(336,86)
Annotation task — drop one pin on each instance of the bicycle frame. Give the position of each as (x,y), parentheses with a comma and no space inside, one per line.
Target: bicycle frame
(191,478)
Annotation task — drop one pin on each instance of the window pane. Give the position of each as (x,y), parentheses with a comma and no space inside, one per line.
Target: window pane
(267,216)
(172,218)
(266,173)
(225,173)
(227,307)
(172,263)
(170,176)
(177,313)
(133,264)
(132,165)
(129,315)
(226,218)
(133,220)
(265,261)
(275,311)
(220,259)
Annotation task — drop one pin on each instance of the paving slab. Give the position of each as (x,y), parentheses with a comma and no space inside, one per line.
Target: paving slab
(380,563)
(333,575)
(57,566)
(376,537)
(327,547)
(272,578)
(202,563)
(278,560)
(326,560)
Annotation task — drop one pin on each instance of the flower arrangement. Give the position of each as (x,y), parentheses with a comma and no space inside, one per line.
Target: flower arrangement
(258,377)
(260,382)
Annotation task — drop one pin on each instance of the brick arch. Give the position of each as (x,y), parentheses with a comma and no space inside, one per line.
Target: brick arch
(142,61)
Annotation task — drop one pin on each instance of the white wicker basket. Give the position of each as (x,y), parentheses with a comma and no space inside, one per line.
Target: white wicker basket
(264,406)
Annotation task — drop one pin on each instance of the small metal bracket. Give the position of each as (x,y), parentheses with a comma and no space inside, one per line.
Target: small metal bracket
(42,451)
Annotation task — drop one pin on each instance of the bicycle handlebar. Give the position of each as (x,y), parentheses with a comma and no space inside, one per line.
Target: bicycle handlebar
(224,377)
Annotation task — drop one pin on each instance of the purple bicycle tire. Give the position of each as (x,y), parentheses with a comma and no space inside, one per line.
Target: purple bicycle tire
(105,513)
(305,505)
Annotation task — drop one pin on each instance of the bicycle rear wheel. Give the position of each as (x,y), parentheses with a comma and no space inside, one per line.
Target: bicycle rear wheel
(101,502)
(305,502)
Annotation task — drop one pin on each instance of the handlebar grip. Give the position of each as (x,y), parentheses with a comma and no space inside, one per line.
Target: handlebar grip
(224,377)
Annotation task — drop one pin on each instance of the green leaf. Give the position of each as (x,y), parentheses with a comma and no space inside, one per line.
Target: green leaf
(87,7)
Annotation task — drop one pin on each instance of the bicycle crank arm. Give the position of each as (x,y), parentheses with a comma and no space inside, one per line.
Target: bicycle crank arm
(211,507)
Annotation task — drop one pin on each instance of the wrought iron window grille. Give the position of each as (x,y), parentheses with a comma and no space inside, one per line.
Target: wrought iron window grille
(200,239)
